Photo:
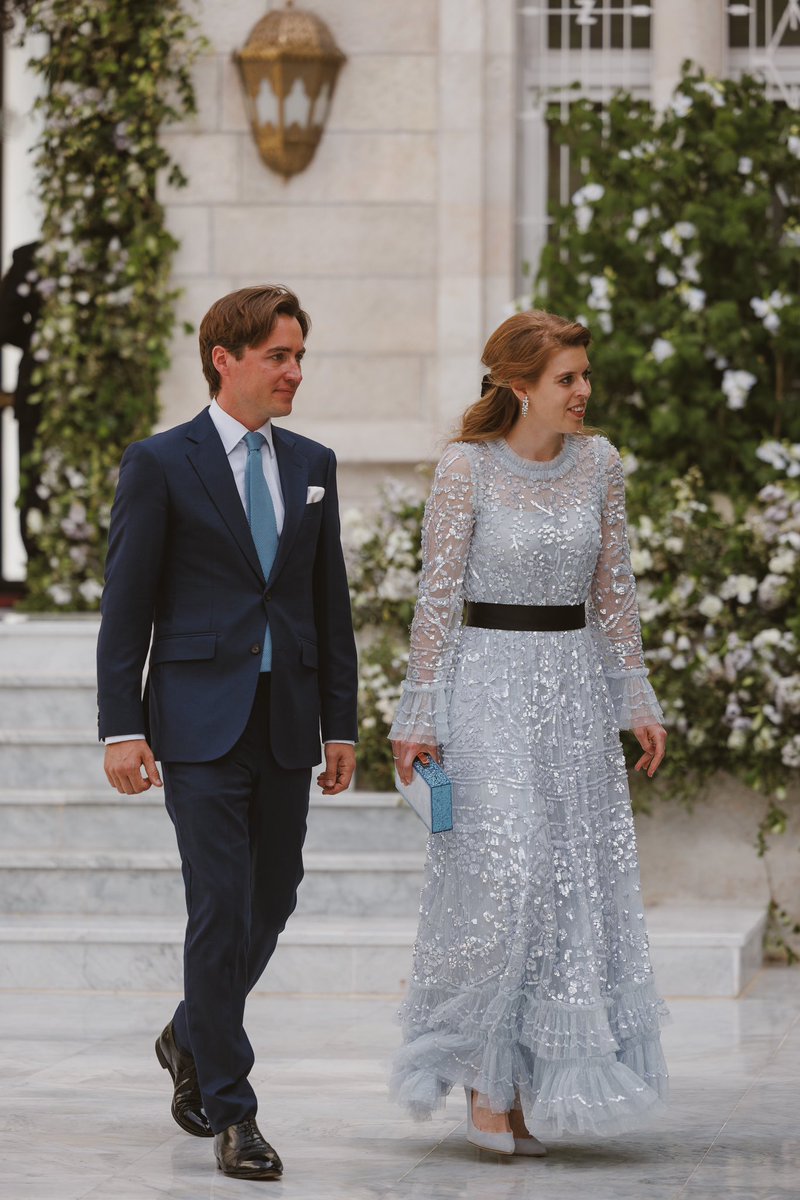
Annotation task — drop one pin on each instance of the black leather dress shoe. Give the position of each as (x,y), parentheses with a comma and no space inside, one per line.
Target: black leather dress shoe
(242,1152)
(187,1103)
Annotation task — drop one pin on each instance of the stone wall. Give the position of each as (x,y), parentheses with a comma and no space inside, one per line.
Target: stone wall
(398,237)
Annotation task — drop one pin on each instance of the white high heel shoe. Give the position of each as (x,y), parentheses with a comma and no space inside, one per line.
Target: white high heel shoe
(500,1143)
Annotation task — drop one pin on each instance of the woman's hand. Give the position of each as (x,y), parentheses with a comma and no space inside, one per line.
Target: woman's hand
(405,753)
(653,740)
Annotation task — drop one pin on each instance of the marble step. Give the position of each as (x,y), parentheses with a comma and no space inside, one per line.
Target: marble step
(702,951)
(117,882)
(48,701)
(50,758)
(49,644)
(77,819)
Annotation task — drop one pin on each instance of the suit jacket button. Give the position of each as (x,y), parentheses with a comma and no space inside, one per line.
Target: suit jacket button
(267,595)
(255,649)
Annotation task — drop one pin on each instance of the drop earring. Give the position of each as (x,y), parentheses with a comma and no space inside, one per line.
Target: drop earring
(525,405)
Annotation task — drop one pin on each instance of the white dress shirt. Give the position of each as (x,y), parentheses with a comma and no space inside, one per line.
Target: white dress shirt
(231,433)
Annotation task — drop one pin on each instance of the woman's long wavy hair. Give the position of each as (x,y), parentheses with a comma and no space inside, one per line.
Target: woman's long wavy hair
(520,348)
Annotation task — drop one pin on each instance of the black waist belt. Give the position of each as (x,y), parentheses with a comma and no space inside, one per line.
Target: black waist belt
(530,617)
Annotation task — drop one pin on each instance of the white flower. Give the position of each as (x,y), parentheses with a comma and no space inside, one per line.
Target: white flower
(714,90)
(661,349)
(767,310)
(781,457)
(583,217)
(737,386)
(671,241)
(693,298)
(696,737)
(685,230)
(605,322)
(35,521)
(784,562)
(681,105)
(640,217)
(737,739)
(711,607)
(630,462)
(398,584)
(666,278)
(590,193)
(740,587)
(599,299)
(673,544)
(689,270)
(90,590)
(766,639)
(745,165)
(59,594)
(772,591)
(772,714)
(641,560)
(793,145)
(790,754)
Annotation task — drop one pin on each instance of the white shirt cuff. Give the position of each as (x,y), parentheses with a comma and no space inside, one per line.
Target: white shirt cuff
(124,737)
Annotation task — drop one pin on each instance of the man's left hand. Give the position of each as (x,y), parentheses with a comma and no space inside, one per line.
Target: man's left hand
(340,762)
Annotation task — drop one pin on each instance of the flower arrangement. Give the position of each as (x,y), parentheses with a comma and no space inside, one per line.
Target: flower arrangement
(115,74)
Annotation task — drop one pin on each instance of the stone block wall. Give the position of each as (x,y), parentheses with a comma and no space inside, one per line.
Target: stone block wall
(398,237)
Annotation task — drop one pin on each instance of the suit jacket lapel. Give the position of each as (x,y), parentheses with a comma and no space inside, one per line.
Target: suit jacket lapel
(293,470)
(208,458)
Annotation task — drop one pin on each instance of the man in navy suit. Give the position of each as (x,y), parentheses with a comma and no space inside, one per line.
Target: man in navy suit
(224,546)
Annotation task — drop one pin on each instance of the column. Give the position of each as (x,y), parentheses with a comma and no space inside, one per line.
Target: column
(682,29)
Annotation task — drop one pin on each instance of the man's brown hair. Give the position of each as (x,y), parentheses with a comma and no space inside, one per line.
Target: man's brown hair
(245,319)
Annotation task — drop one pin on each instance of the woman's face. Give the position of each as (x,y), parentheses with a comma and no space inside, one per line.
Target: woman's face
(558,400)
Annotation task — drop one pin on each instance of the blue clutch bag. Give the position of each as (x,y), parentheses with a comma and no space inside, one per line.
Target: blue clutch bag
(430,794)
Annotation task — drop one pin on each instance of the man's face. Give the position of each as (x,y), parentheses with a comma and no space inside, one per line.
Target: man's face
(262,383)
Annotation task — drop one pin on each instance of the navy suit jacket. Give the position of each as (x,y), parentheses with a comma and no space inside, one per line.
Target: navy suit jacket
(182,564)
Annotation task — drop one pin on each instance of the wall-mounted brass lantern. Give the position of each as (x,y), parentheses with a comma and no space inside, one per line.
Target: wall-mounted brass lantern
(289,67)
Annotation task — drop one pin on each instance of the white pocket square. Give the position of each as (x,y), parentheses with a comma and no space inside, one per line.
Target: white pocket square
(314,495)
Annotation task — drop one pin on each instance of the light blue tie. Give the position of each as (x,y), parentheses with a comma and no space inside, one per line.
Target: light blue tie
(261,515)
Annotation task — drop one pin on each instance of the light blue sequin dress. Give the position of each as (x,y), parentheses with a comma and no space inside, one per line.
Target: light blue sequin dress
(531,979)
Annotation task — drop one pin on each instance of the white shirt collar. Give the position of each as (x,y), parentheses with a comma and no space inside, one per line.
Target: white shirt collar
(232,431)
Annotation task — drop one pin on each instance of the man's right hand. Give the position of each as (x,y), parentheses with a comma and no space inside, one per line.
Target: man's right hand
(123,766)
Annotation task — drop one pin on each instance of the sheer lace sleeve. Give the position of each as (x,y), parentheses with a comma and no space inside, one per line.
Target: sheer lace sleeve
(613,614)
(446,536)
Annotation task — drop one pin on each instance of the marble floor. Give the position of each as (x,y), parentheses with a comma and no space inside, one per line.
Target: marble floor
(84,1108)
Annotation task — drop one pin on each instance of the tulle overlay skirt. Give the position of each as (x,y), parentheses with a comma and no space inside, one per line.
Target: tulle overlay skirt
(531,980)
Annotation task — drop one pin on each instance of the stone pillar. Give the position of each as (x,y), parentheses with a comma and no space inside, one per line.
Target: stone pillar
(682,29)
(460,205)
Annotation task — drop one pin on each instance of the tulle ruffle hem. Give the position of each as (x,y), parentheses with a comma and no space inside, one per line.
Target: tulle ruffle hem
(596,1070)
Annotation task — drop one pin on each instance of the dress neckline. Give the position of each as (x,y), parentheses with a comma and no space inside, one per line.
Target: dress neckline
(551,469)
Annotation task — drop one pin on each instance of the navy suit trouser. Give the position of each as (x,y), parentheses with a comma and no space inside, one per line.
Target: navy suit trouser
(240,822)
